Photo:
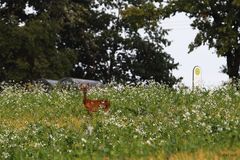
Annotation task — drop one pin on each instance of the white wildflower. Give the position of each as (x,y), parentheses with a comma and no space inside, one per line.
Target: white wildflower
(84,140)
(89,130)
(5,155)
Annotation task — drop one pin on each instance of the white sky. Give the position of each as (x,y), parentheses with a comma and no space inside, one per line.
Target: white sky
(181,36)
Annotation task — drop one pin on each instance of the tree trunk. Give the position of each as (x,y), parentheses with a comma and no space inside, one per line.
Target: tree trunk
(112,61)
(233,63)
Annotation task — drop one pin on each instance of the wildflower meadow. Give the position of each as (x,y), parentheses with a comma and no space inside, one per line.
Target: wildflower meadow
(144,122)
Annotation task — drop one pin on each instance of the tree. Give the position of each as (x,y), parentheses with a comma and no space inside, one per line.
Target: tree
(218,23)
(102,39)
(122,53)
(33,44)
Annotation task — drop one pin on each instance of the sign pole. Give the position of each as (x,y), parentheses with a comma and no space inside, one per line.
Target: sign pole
(197,77)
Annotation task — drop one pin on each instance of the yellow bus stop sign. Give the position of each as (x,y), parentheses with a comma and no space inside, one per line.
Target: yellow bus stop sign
(197,71)
(197,77)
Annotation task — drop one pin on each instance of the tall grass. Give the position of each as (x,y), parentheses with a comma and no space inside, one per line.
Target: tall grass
(144,122)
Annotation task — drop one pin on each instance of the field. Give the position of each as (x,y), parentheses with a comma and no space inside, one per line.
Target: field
(144,122)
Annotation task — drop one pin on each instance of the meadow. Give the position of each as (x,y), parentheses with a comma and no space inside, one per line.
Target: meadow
(144,122)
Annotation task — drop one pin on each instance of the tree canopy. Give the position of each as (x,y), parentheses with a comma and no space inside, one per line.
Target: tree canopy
(30,44)
(131,48)
(218,23)
(118,41)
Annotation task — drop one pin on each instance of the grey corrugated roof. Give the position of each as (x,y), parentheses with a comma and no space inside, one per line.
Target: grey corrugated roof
(76,81)
(49,82)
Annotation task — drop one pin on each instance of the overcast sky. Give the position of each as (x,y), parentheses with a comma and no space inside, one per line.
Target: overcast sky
(181,36)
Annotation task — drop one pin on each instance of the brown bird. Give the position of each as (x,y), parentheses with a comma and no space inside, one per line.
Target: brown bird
(93,105)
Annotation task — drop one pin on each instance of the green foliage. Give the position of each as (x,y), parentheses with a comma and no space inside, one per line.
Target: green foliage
(129,40)
(141,15)
(103,40)
(151,121)
(218,25)
(236,2)
(32,44)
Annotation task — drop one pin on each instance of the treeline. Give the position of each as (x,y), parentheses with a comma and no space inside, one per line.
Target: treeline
(109,40)
(104,40)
